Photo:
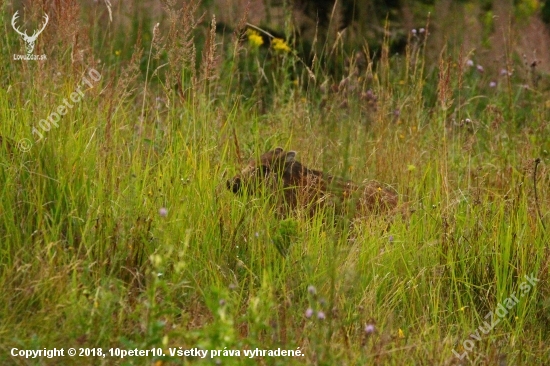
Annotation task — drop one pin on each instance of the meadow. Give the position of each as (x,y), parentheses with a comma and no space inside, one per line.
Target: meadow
(117,230)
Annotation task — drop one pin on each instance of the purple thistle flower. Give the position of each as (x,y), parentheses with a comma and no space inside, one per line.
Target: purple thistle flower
(321,315)
(163,212)
(309,312)
(370,95)
(369,328)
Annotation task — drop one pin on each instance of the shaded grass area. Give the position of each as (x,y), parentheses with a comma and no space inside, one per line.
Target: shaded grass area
(117,230)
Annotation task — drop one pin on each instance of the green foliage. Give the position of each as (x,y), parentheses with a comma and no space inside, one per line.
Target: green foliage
(545,12)
(117,229)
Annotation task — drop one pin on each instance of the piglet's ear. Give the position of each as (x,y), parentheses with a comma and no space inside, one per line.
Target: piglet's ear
(279,150)
(290,156)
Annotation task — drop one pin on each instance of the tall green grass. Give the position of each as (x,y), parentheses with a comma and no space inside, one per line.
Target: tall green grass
(117,229)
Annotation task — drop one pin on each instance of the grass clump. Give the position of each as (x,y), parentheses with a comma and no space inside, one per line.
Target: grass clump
(117,230)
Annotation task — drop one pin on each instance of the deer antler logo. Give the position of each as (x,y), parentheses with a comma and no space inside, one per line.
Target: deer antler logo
(29,40)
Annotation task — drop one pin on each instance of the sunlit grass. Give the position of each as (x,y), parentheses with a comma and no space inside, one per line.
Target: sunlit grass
(117,229)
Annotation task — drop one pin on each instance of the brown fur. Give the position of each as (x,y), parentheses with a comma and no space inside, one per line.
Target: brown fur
(278,170)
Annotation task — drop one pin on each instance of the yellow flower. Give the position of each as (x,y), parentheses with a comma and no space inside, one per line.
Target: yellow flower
(400,334)
(117,53)
(279,44)
(254,38)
